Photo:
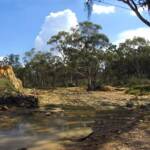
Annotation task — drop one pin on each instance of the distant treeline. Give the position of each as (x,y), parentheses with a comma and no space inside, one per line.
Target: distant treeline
(85,57)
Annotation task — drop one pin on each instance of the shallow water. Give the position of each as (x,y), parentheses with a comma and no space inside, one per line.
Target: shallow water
(43,129)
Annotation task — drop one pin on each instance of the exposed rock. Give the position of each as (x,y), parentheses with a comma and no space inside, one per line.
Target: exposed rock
(19,101)
(4,108)
(47,113)
(8,73)
(11,91)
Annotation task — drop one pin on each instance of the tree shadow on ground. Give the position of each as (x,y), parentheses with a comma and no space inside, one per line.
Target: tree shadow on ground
(111,125)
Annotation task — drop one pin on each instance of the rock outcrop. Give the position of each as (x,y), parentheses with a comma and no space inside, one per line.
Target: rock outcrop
(8,73)
(11,91)
(25,101)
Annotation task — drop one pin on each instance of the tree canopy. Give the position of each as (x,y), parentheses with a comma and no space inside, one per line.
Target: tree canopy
(85,57)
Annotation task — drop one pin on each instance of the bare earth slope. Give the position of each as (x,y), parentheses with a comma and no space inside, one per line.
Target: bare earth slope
(8,73)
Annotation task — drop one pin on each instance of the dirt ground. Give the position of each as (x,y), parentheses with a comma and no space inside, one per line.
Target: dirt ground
(116,127)
(79,96)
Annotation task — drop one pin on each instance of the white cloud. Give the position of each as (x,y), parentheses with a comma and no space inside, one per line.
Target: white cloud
(141,10)
(1,58)
(55,22)
(129,34)
(100,9)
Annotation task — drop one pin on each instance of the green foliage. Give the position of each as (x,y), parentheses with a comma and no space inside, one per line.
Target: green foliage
(14,60)
(82,51)
(139,90)
(130,59)
(85,57)
(137,81)
(6,87)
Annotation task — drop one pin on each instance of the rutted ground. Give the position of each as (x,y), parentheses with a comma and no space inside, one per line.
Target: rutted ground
(116,126)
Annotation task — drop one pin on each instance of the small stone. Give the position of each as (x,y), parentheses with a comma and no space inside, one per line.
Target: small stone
(141,121)
(4,108)
(47,113)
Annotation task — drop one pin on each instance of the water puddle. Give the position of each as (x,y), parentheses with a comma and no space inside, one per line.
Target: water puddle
(46,128)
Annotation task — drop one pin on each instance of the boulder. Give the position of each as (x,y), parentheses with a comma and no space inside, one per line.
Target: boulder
(19,101)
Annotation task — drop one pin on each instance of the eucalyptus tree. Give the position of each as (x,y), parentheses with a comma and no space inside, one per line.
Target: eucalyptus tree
(41,69)
(82,51)
(36,69)
(91,53)
(130,60)
(58,44)
(4,61)
(14,60)
(133,51)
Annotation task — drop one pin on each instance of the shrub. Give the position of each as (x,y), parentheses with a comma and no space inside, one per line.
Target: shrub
(138,81)
(139,89)
(6,87)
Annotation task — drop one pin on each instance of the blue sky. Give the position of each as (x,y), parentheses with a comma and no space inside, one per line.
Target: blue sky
(25,24)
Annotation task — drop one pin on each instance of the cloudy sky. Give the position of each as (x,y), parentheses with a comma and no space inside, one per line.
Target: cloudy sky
(30,23)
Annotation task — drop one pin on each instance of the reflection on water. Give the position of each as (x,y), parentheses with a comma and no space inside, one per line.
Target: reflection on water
(43,127)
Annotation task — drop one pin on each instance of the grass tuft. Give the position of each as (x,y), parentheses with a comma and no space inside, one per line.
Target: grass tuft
(6,87)
(139,90)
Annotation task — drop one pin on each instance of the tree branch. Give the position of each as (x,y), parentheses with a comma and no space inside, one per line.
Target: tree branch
(134,8)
